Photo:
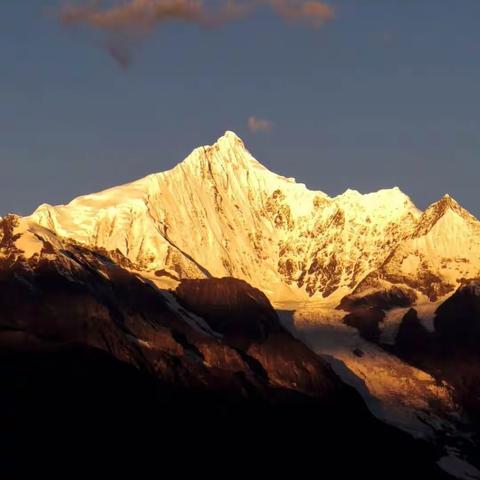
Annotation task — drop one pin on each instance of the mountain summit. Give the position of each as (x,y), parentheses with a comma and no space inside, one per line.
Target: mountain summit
(221,213)
(139,271)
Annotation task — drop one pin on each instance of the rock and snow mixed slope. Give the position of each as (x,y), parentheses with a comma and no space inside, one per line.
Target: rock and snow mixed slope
(212,362)
(221,213)
(58,292)
(441,253)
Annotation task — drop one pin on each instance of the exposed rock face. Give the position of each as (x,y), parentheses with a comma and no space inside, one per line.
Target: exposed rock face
(231,307)
(225,336)
(366,321)
(96,359)
(458,318)
(246,318)
(412,335)
(386,299)
(451,350)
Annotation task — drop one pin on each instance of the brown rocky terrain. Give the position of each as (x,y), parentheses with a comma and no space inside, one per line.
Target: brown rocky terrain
(100,367)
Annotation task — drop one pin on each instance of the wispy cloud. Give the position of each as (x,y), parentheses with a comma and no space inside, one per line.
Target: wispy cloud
(133,20)
(256,124)
(312,13)
(142,16)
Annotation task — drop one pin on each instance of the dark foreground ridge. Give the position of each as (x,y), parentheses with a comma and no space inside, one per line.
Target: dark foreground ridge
(99,368)
(78,406)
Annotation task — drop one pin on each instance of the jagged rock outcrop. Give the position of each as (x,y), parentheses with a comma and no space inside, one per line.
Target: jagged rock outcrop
(457,319)
(450,351)
(231,307)
(95,360)
(246,319)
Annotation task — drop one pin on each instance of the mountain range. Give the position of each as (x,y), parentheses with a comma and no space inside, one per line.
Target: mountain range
(233,297)
(292,243)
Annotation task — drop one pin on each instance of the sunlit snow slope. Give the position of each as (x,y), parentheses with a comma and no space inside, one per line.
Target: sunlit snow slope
(220,212)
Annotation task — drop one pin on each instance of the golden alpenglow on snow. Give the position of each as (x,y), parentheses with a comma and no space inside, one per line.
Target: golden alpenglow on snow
(221,213)
(298,298)
(345,273)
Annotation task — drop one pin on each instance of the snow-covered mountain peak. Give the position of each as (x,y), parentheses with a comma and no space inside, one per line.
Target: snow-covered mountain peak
(227,142)
(445,203)
(228,149)
(231,138)
(382,207)
(441,251)
(446,212)
(386,197)
(221,213)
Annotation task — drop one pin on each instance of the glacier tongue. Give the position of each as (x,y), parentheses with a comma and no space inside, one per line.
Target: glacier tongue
(395,392)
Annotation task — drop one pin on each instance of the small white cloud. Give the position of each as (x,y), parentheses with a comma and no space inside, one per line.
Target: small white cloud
(256,125)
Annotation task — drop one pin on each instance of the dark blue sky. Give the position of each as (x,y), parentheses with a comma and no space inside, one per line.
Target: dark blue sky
(387,93)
